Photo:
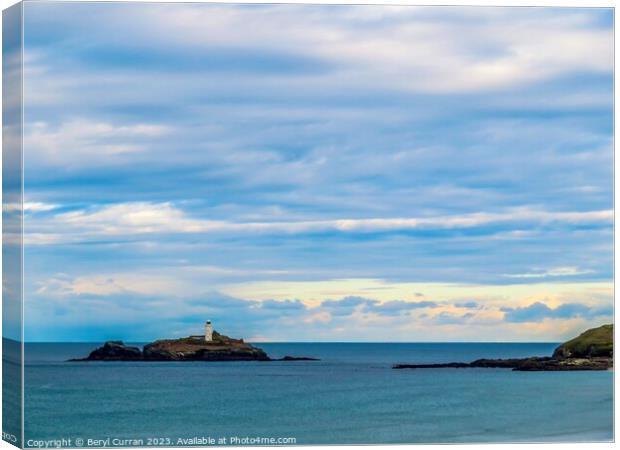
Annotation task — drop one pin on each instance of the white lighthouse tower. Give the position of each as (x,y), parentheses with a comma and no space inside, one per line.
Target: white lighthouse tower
(208,331)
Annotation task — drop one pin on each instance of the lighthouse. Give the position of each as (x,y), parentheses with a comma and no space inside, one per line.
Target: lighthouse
(208,331)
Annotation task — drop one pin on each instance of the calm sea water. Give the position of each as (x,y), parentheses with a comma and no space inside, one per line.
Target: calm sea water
(351,396)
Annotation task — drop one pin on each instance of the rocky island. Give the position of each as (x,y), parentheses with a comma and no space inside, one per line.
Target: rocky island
(192,348)
(591,350)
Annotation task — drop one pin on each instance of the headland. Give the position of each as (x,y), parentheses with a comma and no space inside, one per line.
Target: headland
(591,350)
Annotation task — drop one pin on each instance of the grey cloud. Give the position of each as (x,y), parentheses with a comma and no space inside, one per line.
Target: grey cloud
(283,305)
(218,300)
(537,312)
(396,307)
(468,305)
(346,302)
(347,305)
(446,318)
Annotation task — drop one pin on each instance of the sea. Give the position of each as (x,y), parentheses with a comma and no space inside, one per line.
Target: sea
(351,396)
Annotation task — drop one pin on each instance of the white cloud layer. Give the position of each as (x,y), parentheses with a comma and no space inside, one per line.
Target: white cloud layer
(136,218)
(422,49)
(82,141)
(555,272)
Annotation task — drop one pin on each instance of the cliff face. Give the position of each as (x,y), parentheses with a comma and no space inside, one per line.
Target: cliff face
(596,342)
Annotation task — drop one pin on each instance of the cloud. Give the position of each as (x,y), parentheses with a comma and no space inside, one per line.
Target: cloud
(123,306)
(130,218)
(283,305)
(148,217)
(27,207)
(568,271)
(347,305)
(219,301)
(468,305)
(447,318)
(110,284)
(87,142)
(537,312)
(407,48)
(398,307)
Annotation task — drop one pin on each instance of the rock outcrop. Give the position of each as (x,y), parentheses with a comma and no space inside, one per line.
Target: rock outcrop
(114,351)
(221,348)
(592,350)
(296,358)
(534,364)
(193,348)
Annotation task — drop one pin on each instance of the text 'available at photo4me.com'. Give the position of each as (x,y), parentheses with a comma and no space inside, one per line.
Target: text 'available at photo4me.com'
(193,441)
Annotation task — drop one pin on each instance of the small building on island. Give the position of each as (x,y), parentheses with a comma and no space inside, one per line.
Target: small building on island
(208,336)
(208,331)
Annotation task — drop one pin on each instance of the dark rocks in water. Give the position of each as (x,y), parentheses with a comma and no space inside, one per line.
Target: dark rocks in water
(113,351)
(452,365)
(566,364)
(296,358)
(484,363)
(193,348)
(592,350)
(535,364)
(513,363)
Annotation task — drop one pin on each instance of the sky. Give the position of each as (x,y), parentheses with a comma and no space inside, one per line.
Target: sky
(317,173)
